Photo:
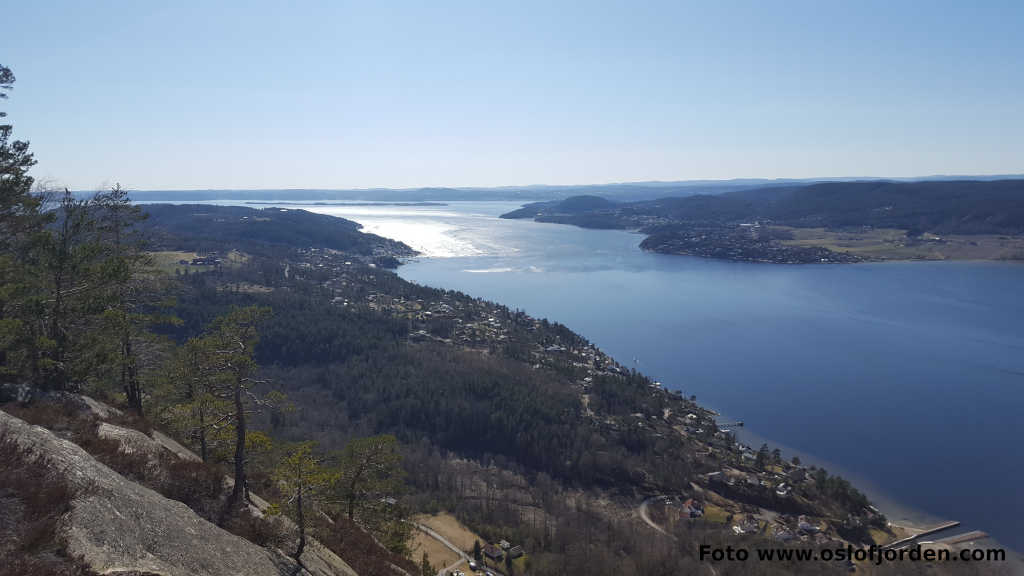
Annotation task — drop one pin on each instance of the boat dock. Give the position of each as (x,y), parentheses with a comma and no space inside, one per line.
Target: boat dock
(909,539)
(960,538)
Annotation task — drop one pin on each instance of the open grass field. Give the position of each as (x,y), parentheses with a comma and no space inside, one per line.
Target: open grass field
(893,244)
(448,526)
(438,554)
(167,261)
(879,537)
(714,514)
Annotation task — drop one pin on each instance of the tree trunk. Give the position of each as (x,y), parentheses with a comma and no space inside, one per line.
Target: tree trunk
(202,432)
(300,520)
(352,500)
(129,375)
(238,492)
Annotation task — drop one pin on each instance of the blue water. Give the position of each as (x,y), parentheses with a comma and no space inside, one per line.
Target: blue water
(907,377)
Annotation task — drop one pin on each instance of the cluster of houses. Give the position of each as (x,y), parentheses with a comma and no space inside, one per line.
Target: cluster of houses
(682,509)
(767,482)
(784,528)
(211,259)
(748,524)
(497,553)
(802,528)
(475,323)
(462,321)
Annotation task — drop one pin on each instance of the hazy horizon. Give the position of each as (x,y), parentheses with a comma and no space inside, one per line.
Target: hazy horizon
(637,183)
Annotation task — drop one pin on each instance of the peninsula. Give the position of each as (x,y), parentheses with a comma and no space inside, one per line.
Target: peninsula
(828,222)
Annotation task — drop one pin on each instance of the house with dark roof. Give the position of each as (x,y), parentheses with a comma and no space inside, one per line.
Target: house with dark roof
(494,553)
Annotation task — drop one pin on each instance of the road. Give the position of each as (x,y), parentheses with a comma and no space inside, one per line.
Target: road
(642,512)
(463,557)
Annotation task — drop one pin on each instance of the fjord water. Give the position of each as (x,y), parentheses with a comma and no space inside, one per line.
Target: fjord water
(907,377)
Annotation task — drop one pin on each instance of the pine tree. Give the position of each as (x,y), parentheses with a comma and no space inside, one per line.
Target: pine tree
(370,470)
(304,482)
(21,224)
(125,293)
(425,568)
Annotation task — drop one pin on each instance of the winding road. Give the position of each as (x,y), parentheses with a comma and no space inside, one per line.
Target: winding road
(641,511)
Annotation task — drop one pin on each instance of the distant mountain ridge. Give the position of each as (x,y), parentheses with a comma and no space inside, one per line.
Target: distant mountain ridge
(961,207)
(750,224)
(615,190)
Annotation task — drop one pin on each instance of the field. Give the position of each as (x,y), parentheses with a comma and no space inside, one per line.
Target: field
(450,528)
(169,261)
(893,244)
(439,555)
(714,514)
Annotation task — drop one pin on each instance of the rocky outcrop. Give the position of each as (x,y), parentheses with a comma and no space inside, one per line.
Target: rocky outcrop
(317,558)
(172,445)
(117,526)
(130,441)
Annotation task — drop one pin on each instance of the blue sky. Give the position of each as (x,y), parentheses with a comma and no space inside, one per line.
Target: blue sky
(401,94)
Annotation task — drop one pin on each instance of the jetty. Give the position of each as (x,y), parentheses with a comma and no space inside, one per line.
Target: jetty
(960,538)
(903,542)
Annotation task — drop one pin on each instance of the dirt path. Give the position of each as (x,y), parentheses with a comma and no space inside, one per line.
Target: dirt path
(463,557)
(642,512)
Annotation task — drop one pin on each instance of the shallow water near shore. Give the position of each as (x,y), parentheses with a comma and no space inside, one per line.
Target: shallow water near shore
(908,378)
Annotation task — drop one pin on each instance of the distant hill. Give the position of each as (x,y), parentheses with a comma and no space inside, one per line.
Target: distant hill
(950,207)
(619,191)
(259,230)
(953,207)
(749,224)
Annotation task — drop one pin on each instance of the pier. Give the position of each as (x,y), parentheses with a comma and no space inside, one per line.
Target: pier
(906,541)
(960,538)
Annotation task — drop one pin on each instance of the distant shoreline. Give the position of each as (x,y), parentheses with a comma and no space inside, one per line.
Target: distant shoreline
(343,203)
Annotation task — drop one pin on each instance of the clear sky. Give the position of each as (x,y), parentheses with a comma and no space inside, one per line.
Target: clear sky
(304,94)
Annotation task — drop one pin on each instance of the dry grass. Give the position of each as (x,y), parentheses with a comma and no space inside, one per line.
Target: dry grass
(448,526)
(440,555)
(715,514)
(359,549)
(878,536)
(167,261)
(32,502)
(893,244)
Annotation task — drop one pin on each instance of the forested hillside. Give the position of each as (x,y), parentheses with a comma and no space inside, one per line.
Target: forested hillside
(823,222)
(204,227)
(950,207)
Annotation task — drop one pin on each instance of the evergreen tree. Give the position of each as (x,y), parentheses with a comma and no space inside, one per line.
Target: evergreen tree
(762,457)
(194,409)
(21,225)
(228,352)
(303,482)
(370,470)
(125,296)
(425,568)
(65,295)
